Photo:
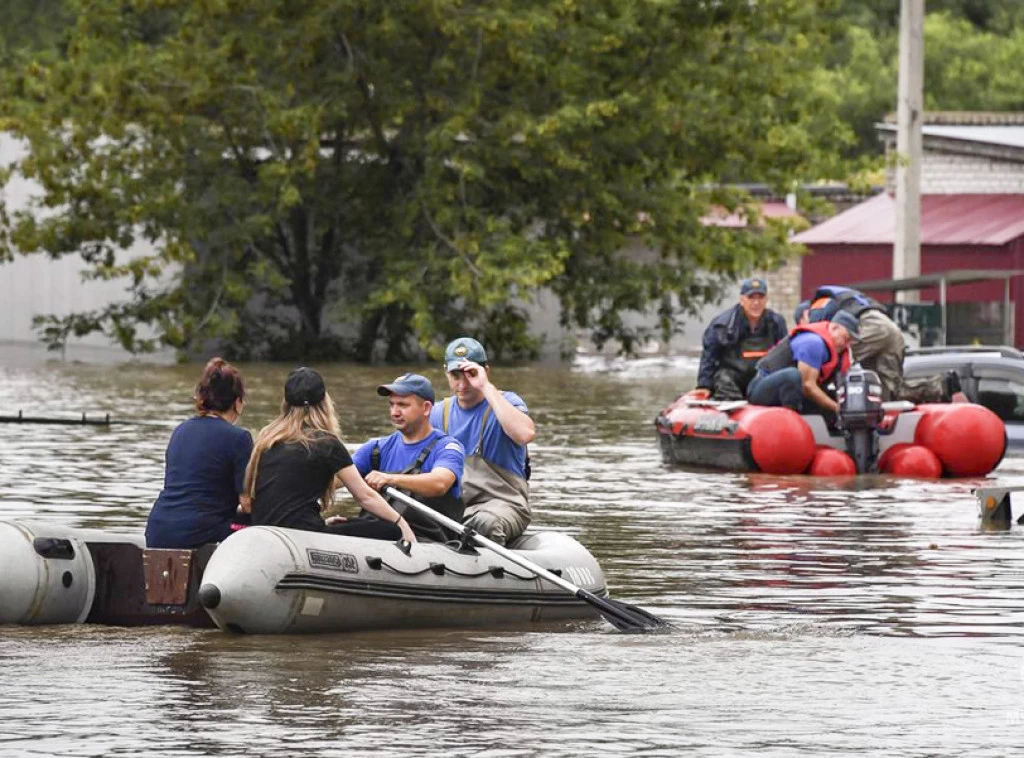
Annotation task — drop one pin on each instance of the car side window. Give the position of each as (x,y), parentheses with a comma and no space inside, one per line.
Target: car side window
(1005,397)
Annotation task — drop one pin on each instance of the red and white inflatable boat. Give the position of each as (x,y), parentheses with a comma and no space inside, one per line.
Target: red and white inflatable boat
(929,441)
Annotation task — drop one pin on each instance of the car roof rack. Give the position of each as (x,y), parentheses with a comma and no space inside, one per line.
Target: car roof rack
(1004,351)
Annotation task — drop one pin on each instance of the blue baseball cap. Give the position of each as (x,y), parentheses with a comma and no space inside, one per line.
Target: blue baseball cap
(463,350)
(753,287)
(848,320)
(409,384)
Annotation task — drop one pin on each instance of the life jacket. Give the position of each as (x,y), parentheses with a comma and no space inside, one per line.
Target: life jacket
(830,299)
(446,504)
(781,356)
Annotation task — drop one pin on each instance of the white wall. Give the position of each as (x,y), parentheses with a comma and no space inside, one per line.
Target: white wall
(37,285)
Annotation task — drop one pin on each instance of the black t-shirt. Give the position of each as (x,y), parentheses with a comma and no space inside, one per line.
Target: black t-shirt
(290,480)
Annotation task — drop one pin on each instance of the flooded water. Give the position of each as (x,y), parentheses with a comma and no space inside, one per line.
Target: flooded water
(812,617)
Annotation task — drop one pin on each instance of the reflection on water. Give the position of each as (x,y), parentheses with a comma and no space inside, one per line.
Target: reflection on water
(814,616)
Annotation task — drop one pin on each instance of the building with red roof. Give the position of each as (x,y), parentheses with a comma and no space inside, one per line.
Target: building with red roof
(972,217)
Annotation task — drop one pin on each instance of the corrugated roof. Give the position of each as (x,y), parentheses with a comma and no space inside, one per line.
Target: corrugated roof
(964,118)
(945,220)
(989,134)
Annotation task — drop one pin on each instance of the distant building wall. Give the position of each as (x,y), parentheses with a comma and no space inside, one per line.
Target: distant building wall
(944,173)
(37,284)
(832,264)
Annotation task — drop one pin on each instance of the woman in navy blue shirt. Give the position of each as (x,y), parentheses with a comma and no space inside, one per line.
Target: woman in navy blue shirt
(205,466)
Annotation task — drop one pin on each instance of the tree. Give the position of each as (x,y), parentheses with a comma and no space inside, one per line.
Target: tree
(35,26)
(416,167)
(971,49)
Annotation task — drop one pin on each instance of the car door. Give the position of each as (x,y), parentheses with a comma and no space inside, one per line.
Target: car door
(1000,388)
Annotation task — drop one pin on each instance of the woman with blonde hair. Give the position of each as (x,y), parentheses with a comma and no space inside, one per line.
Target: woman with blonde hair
(205,466)
(298,462)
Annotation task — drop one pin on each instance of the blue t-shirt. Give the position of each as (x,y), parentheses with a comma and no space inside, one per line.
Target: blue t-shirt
(205,469)
(396,456)
(497,447)
(809,348)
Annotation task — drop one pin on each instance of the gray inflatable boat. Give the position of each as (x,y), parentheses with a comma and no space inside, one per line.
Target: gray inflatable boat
(270,580)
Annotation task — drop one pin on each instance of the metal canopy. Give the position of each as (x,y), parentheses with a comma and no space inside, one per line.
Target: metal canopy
(957,276)
(943,280)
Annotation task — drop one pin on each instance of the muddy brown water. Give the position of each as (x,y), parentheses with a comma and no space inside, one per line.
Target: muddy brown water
(812,617)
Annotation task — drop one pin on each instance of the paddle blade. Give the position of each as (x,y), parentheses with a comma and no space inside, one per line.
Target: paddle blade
(623,616)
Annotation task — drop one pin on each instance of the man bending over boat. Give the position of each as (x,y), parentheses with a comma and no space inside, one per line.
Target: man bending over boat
(494,428)
(796,371)
(416,458)
(881,347)
(734,342)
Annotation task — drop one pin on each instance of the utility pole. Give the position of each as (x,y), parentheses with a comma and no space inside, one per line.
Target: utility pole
(906,252)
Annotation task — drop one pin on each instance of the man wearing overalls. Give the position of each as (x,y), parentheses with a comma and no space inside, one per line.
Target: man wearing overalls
(494,427)
(416,458)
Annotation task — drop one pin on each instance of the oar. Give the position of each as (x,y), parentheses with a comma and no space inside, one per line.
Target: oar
(83,420)
(623,616)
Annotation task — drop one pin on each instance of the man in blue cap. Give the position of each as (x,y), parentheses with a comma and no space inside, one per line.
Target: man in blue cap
(734,341)
(416,458)
(494,427)
(795,372)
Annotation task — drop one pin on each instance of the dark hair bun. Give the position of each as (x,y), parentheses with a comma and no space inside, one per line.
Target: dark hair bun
(219,387)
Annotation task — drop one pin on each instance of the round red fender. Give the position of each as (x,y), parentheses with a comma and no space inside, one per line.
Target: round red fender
(905,459)
(968,439)
(828,461)
(780,441)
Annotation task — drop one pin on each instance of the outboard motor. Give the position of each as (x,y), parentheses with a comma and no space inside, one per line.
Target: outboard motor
(859,395)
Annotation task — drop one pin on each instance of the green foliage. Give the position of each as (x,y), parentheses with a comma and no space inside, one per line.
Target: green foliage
(415,169)
(33,28)
(972,49)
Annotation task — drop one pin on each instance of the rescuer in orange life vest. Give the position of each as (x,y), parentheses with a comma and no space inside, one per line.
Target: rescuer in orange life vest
(735,341)
(796,371)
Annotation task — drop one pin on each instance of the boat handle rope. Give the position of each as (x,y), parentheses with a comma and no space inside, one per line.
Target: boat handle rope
(377,563)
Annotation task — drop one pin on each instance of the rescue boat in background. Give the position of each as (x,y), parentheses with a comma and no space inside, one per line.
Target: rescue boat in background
(926,441)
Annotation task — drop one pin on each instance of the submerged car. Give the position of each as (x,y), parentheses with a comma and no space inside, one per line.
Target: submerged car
(992,376)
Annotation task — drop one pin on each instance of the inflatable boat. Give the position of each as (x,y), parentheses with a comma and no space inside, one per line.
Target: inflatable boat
(868,436)
(270,580)
(54,574)
(927,441)
(273,580)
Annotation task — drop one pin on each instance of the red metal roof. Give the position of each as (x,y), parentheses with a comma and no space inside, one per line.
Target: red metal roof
(945,220)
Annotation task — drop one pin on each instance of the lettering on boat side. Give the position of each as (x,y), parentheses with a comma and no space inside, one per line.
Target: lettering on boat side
(713,424)
(334,561)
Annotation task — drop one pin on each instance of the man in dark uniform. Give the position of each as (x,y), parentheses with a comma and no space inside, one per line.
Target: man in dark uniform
(735,341)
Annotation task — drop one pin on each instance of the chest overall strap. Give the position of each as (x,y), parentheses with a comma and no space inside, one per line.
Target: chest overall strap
(414,468)
(446,415)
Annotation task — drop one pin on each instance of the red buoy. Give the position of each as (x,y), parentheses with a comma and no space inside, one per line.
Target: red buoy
(905,459)
(828,461)
(780,441)
(968,439)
